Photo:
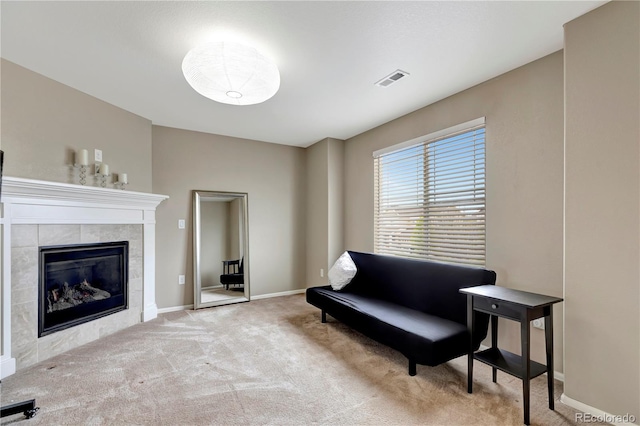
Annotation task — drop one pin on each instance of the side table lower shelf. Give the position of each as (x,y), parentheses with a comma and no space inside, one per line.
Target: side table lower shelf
(509,362)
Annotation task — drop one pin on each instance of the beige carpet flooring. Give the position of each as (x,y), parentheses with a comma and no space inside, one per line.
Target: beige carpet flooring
(266,362)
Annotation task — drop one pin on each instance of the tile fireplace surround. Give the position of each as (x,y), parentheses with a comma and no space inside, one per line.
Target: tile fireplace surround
(40,213)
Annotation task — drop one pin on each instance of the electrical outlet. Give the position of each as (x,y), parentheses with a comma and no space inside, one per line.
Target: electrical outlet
(538,323)
(181,224)
(181,279)
(321,272)
(98,155)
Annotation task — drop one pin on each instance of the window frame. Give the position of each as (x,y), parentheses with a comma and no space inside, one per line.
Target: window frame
(457,183)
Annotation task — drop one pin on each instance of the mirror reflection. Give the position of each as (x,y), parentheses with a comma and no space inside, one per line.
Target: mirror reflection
(220,239)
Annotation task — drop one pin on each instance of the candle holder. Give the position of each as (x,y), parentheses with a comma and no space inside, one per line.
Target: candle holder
(102,173)
(123,179)
(82,173)
(82,163)
(103,180)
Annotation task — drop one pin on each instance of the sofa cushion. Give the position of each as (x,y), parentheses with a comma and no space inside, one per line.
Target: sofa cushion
(427,339)
(342,272)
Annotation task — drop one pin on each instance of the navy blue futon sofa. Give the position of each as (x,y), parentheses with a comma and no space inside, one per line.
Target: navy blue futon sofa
(413,306)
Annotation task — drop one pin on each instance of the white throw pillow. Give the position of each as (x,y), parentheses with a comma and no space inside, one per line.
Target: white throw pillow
(342,272)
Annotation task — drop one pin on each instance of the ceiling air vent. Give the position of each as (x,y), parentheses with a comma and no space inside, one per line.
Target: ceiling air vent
(392,78)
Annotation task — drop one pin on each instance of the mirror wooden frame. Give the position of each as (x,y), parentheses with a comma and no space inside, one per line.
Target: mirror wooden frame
(221,196)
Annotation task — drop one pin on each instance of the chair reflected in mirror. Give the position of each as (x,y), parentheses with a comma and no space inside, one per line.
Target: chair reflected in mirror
(233,274)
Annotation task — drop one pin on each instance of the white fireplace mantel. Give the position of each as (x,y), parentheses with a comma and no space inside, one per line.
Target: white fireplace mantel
(28,201)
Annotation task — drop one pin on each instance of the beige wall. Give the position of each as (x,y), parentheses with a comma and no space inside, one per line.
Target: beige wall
(602,222)
(317,158)
(44,122)
(273,176)
(524,139)
(325,208)
(335,166)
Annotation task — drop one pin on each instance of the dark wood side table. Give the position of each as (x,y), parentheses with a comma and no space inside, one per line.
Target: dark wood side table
(519,306)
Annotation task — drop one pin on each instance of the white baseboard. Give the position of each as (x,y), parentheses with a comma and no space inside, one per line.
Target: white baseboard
(596,414)
(175,309)
(258,297)
(282,293)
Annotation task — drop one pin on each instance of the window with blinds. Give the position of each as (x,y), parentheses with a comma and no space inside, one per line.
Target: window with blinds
(430,197)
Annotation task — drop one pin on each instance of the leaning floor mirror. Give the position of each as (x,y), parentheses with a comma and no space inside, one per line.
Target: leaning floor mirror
(220,248)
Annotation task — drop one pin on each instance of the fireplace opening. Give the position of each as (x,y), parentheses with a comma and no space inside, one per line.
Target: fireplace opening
(80,283)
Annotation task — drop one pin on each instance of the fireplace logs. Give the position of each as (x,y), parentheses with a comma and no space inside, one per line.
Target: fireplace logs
(68,296)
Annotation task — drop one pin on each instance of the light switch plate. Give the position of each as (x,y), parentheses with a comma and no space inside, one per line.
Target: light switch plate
(181,279)
(181,224)
(98,155)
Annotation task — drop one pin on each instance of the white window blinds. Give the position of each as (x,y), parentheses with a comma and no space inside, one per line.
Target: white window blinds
(430,197)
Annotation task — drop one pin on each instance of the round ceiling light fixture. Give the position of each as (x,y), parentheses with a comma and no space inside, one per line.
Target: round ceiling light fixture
(231,73)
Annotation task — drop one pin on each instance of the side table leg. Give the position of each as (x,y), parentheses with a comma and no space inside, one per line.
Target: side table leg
(494,342)
(548,337)
(470,327)
(526,367)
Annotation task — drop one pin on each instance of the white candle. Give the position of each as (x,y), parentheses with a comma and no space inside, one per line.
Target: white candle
(123,178)
(82,157)
(104,169)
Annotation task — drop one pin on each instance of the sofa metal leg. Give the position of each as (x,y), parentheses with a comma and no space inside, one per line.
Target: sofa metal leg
(324,317)
(412,367)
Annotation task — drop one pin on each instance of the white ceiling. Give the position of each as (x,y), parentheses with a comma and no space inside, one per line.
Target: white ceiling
(330,54)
